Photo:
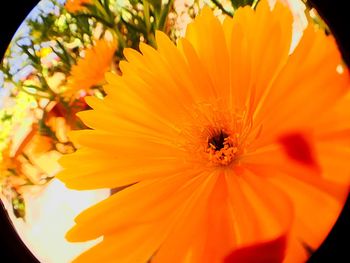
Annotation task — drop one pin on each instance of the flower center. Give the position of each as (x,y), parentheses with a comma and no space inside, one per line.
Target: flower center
(221,148)
(218,141)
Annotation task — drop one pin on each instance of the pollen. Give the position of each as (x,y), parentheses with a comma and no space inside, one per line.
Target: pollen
(222,148)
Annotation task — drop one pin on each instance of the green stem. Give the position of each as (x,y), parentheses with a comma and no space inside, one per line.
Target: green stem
(99,19)
(102,9)
(164,15)
(150,33)
(122,42)
(219,5)
(65,54)
(254,4)
(21,88)
(147,14)
(109,25)
(106,7)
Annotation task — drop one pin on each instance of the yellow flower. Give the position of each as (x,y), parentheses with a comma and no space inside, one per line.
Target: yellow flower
(232,148)
(43,52)
(90,70)
(74,6)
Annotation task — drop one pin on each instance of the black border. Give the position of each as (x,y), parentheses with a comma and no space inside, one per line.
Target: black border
(12,248)
(335,247)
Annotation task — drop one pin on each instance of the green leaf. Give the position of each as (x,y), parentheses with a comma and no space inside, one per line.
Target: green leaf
(18,206)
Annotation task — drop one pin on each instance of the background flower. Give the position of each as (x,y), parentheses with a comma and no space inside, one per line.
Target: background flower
(89,70)
(76,5)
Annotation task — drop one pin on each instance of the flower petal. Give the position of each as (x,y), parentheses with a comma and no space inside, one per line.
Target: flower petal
(291,102)
(299,148)
(271,251)
(315,212)
(215,63)
(136,205)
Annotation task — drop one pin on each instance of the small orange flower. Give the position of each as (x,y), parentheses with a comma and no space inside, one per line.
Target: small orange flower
(74,6)
(234,147)
(40,144)
(90,70)
(8,162)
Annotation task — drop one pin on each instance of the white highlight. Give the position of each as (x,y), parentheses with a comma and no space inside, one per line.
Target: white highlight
(50,214)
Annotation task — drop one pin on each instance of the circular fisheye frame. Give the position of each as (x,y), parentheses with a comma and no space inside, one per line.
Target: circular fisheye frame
(174,131)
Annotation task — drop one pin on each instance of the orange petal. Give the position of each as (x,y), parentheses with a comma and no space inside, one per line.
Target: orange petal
(291,102)
(220,236)
(271,251)
(315,211)
(200,77)
(274,210)
(215,63)
(135,205)
(110,173)
(138,228)
(104,118)
(189,230)
(334,158)
(272,161)
(299,148)
(334,126)
(136,244)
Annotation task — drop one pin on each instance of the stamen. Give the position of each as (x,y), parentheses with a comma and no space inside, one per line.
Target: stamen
(221,148)
(218,141)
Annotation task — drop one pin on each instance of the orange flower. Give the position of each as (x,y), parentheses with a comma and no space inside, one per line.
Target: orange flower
(74,6)
(41,144)
(233,148)
(8,162)
(89,70)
